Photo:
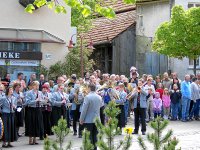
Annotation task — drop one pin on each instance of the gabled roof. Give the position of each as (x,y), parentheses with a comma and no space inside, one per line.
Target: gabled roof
(146,1)
(105,30)
(119,6)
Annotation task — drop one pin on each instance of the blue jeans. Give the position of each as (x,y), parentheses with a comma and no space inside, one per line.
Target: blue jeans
(195,109)
(174,108)
(157,113)
(126,108)
(185,108)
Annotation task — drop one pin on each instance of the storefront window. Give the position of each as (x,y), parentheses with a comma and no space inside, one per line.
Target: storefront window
(20,46)
(14,70)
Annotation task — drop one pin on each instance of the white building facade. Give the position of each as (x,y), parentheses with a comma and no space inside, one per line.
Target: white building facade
(150,14)
(29,40)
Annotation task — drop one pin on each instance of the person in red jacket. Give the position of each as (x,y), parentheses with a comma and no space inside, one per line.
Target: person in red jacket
(160,89)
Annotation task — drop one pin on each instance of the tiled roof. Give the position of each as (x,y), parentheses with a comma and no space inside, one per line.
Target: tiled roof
(119,5)
(143,1)
(105,30)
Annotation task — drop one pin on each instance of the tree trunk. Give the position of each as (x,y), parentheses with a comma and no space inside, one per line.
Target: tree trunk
(195,66)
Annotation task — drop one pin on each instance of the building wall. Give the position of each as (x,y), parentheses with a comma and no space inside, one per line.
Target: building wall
(124,52)
(153,15)
(13,16)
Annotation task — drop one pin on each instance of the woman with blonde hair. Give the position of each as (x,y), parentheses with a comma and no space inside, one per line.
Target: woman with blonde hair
(34,101)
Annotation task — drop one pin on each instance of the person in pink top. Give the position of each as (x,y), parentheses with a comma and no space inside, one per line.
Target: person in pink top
(157,105)
(166,103)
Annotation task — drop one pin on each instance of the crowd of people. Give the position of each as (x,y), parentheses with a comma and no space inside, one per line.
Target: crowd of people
(39,104)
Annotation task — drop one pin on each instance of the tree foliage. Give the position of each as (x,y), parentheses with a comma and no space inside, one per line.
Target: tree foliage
(61,131)
(159,142)
(179,37)
(86,143)
(86,7)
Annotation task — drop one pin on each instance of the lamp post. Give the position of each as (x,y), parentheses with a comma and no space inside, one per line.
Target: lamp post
(90,46)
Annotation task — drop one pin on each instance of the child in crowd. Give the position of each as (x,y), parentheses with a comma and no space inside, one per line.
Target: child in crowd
(175,96)
(160,89)
(157,105)
(166,103)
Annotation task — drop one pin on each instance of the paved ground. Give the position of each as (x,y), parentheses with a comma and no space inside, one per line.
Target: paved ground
(188,134)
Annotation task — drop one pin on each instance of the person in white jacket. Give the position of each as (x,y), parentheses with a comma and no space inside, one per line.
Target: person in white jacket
(195,96)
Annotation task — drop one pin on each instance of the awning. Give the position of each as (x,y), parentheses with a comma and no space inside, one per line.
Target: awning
(28,35)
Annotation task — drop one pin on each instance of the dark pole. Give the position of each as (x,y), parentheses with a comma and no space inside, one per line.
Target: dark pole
(82,67)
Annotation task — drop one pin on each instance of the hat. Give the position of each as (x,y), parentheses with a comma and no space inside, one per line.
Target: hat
(45,86)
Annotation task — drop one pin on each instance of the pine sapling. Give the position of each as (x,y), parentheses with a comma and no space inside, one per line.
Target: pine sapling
(107,132)
(159,142)
(61,131)
(86,141)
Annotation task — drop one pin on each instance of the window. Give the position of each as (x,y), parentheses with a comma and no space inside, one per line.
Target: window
(4,46)
(20,46)
(141,21)
(139,10)
(35,47)
(190,5)
(191,62)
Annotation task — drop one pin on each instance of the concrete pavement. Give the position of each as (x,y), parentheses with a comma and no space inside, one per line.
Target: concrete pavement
(188,134)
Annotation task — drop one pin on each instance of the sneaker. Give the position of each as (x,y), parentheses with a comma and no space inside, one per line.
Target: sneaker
(80,136)
(75,133)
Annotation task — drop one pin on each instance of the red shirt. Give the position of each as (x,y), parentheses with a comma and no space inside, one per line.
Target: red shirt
(160,91)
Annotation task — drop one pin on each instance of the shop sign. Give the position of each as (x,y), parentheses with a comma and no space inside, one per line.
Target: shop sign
(21,55)
(2,62)
(24,63)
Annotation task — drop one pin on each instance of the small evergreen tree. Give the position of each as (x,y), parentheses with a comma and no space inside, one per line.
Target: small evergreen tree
(108,132)
(86,141)
(160,143)
(61,131)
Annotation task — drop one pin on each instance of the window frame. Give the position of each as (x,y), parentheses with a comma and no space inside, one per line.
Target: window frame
(194,4)
(192,65)
(21,46)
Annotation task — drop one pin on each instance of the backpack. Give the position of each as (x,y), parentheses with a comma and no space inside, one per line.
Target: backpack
(106,96)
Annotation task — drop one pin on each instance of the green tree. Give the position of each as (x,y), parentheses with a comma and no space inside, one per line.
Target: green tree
(61,131)
(179,37)
(160,143)
(86,141)
(107,133)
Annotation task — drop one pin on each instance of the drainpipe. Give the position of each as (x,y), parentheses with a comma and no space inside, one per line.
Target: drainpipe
(171,3)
